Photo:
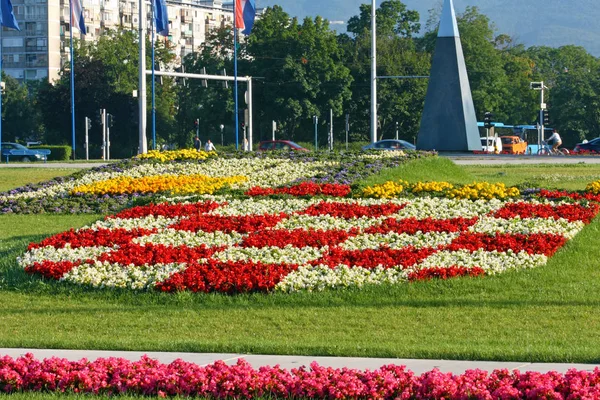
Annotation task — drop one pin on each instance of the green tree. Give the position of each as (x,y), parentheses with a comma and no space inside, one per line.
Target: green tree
(106,74)
(303,70)
(399,100)
(20,116)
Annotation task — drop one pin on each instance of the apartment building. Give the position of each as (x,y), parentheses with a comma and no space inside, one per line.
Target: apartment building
(41,48)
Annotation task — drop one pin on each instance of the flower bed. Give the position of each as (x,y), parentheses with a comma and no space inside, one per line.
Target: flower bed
(113,187)
(222,244)
(148,377)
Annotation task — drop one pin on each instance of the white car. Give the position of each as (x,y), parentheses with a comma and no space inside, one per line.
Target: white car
(491,144)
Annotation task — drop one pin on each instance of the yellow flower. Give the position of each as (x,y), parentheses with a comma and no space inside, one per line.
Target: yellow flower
(386,190)
(176,155)
(176,184)
(593,187)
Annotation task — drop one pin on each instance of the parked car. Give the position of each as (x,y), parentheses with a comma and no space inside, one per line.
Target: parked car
(593,146)
(18,152)
(390,144)
(491,144)
(513,145)
(285,145)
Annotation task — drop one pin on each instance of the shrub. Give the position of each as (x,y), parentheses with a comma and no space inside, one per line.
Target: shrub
(57,153)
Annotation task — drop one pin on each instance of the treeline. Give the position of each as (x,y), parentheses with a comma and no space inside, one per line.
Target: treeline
(301,69)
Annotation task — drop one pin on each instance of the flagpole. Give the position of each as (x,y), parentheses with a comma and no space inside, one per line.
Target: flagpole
(153,82)
(235,81)
(72,80)
(1,94)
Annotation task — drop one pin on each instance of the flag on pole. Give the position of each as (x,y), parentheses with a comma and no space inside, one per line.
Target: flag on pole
(161,17)
(7,18)
(77,15)
(245,11)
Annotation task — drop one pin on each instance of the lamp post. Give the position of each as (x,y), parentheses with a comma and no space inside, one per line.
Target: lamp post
(221,126)
(316,122)
(540,86)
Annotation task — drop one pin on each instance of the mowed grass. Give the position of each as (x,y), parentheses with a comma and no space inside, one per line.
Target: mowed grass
(566,176)
(547,314)
(15,177)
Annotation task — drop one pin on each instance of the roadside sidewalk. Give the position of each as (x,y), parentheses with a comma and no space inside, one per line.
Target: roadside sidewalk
(288,362)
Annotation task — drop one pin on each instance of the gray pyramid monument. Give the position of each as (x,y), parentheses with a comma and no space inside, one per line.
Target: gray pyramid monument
(448,122)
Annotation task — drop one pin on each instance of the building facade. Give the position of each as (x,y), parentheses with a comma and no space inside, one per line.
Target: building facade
(41,48)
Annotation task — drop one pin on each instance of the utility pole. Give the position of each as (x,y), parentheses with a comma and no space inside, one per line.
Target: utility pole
(373,74)
(347,129)
(316,122)
(143,145)
(540,86)
(396,130)
(88,126)
(330,138)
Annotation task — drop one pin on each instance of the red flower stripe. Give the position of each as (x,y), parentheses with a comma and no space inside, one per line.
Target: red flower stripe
(236,223)
(91,237)
(150,253)
(444,273)
(52,269)
(571,212)
(556,194)
(303,189)
(345,210)
(297,238)
(227,277)
(371,258)
(413,225)
(168,210)
(535,243)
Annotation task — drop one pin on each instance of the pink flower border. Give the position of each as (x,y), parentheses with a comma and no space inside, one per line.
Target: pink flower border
(113,376)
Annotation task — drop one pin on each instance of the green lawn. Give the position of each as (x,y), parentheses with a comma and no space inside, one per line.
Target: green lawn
(546,314)
(14,177)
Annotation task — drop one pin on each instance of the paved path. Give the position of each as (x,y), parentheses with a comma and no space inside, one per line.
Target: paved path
(417,366)
(61,165)
(497,159)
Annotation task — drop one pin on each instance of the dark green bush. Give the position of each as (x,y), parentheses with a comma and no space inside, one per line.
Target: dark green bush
(57,153)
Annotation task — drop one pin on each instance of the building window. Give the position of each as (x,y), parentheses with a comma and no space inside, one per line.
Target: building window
(12,42)
(31,74)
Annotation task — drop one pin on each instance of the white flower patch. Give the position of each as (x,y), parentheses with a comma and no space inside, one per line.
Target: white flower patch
(382,154)
(271,255)
(322,277)
(259,206)
(175,238)
(326,222)
(493,262)
(105,274)
(442,208)
(66,253)
(147,222)
(528,226)
(396,240)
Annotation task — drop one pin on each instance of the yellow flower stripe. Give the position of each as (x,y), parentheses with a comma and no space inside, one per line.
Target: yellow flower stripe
(593,187)
(474,191)
(172,155)
(176,184)
(483,190)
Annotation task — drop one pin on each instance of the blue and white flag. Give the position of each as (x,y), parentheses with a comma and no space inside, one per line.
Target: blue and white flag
(161,18)
(7,18)
(245,11)
(77,16)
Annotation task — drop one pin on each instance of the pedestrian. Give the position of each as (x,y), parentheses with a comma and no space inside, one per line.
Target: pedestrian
(197,143)
(246,145)
(209,146)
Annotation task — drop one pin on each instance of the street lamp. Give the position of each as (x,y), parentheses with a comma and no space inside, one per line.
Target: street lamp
(221,126)
(540,86)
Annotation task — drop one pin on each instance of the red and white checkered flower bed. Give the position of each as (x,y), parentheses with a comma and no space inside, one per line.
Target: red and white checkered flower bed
(258,244)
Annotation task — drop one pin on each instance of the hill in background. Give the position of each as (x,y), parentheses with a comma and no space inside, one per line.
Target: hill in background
(532,22)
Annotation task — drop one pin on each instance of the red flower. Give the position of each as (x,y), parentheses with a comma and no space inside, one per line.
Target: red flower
(444,273)
(150,253)
(228,277)
(346,210)
(51,269)
(297,238)
(91,237)
(168,210)
(571,212)
(413,225)
(235,223)
(371,258)
(303,189)
(535,243)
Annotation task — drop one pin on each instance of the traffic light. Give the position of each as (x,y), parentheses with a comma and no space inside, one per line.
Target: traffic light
(110,120)
(196,123)
(487,120)
(243,125)
(88,123)
(546,118)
